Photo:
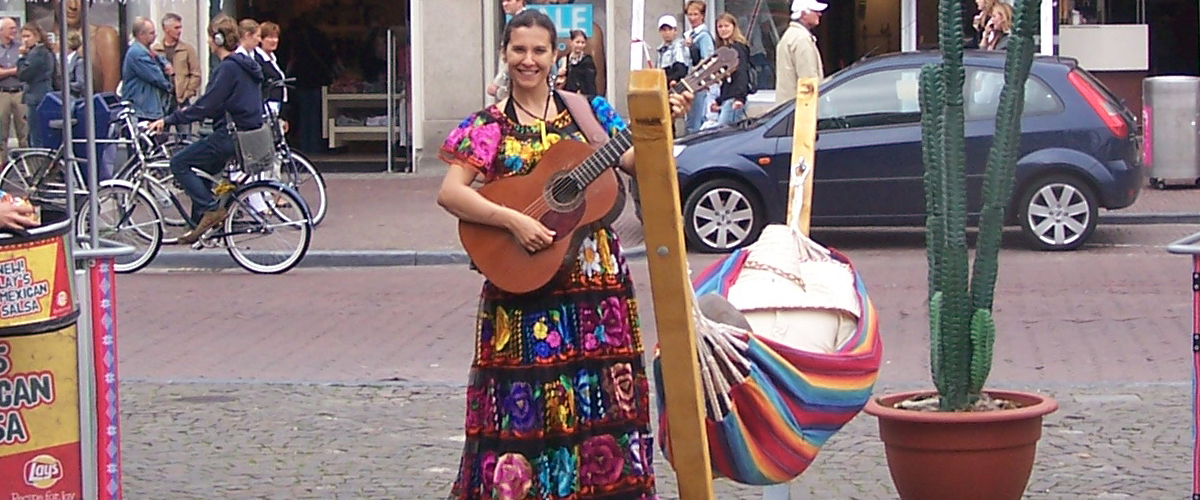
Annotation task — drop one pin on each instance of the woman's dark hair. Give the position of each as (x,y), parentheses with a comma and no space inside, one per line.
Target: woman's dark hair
(529,18)
(578,33)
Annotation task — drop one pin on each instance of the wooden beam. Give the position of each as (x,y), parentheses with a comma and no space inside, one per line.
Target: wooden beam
(804,147)
(669,283)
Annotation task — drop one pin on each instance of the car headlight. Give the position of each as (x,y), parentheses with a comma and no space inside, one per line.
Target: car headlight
(677,149)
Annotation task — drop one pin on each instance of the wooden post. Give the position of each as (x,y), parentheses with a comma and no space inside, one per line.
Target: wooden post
(669,282)
(804,147)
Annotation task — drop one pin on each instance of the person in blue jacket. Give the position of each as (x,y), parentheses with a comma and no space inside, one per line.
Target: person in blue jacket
(145,75)
(234,90)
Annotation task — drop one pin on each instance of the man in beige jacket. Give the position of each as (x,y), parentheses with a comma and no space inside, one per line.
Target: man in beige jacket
(796,55)
(182,57)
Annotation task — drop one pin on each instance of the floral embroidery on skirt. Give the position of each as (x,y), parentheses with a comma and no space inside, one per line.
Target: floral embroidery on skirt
(558,398)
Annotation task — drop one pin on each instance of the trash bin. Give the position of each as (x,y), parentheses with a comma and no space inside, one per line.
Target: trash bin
(48,125)
(1171,129)
(40,427)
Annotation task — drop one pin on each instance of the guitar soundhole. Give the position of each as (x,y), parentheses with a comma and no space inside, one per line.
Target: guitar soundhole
(563,193)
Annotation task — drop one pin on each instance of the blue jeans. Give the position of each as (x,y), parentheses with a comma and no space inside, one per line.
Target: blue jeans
(700,104)
(729,115)
(208,154)
(309,118)
(35,139)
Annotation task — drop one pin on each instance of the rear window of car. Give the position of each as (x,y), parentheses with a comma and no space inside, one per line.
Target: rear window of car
(983,95)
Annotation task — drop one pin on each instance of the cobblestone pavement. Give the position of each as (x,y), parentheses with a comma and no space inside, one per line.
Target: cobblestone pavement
(303,441)
(348,383)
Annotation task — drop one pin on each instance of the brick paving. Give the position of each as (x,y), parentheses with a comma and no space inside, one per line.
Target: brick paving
(348,383)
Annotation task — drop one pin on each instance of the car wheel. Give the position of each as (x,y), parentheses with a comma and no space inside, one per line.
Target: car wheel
(722,215)
(1058,212)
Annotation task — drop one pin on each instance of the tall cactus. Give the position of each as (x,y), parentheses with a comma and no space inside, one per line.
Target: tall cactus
(961,328)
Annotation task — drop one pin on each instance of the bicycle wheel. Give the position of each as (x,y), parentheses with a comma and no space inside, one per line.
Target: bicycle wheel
(266,230)
(127,217)
(161,185)
(19,175)
(309,184)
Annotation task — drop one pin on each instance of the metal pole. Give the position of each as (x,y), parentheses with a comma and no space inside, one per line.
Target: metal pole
(1191,246)
(89,124)
(68,141)
(391,100)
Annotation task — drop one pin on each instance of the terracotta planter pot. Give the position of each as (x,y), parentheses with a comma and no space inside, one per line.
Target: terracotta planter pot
(952,456)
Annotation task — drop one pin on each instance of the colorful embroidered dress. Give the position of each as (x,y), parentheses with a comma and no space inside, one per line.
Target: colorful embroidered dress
(558,399)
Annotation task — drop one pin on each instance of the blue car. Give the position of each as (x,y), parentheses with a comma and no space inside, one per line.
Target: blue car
(1079,151)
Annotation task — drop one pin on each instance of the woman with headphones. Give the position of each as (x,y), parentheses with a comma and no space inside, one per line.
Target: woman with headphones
(235,90)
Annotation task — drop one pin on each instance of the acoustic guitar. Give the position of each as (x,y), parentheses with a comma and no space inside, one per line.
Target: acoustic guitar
(570,189)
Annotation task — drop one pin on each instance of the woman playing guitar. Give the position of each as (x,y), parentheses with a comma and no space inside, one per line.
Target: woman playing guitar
(558,399)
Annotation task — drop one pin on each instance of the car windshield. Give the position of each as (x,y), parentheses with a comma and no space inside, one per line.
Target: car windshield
(786,106)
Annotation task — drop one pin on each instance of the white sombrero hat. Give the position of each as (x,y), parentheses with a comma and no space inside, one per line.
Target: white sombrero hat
(787,270)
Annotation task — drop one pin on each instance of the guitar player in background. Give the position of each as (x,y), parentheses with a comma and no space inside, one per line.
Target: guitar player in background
(557,382)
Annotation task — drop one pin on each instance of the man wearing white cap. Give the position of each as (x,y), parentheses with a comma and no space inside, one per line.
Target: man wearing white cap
(797,56)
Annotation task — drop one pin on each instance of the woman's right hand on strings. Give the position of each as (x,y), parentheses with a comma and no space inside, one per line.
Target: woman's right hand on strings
(530,233)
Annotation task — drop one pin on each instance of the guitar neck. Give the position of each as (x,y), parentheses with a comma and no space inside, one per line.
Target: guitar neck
(610,153)
(605,157)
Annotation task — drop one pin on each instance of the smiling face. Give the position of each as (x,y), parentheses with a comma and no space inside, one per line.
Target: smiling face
(578,44)
(8,30)
(724,30)
(695,15)
(529,55)
(270,43)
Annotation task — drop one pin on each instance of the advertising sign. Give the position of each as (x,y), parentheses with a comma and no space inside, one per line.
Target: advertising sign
(39,417)
(34,283)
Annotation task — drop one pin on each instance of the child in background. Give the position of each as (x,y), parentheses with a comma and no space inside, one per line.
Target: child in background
(672,55)
(578,70)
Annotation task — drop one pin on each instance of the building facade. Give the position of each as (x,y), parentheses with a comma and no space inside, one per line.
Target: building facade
(446,51)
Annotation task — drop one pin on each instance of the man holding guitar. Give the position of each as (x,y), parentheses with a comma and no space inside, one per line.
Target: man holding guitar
(558,399)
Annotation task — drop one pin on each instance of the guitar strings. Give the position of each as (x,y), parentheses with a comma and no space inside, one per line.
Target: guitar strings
(536,207)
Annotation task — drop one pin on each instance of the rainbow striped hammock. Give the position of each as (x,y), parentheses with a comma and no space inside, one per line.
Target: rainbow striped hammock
(770,407)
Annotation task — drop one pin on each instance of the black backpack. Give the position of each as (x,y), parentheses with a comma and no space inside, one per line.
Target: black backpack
(694,49)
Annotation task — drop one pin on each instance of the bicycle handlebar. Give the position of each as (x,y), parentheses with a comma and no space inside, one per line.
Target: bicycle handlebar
(286,82)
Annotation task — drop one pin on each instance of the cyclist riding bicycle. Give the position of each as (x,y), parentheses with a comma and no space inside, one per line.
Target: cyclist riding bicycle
(235,91)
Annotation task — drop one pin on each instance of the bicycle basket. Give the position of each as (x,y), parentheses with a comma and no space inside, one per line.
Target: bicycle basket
(257,150)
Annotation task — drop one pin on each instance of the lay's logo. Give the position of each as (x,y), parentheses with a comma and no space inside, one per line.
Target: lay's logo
(43,471)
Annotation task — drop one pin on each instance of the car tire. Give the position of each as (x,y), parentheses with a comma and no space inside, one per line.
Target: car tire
(1058,212)
(722,215)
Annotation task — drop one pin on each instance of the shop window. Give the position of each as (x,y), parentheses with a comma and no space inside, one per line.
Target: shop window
(1102,11)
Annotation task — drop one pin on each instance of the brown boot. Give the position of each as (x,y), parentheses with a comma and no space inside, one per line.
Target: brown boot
(210,219)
